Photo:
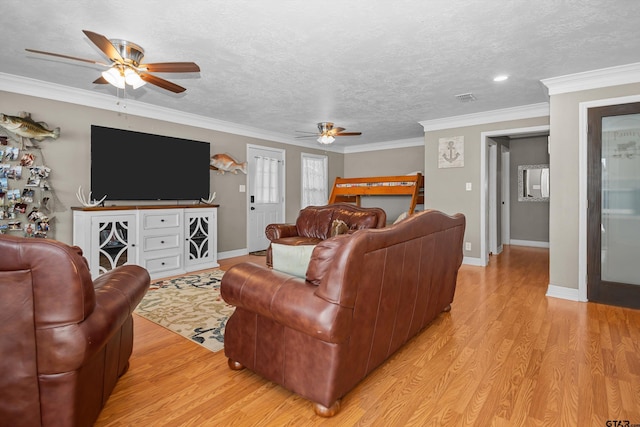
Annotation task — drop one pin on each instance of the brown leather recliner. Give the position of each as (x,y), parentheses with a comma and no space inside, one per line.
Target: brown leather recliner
(365,294)
(313,224)
(64,339)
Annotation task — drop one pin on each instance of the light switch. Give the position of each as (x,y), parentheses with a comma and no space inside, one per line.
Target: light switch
(243,188)
(468,186)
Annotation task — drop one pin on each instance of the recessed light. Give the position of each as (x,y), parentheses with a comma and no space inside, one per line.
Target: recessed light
(500,78)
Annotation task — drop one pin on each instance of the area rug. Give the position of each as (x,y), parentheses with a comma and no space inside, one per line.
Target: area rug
(190,306)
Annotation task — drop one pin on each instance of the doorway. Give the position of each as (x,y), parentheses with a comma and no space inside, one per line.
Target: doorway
(492,223)
(266,193)
(613,211)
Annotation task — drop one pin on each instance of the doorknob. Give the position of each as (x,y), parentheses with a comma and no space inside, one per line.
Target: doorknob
(252,208)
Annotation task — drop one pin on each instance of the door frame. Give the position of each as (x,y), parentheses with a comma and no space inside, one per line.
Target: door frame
(583,169)
(484,181)
(283,202)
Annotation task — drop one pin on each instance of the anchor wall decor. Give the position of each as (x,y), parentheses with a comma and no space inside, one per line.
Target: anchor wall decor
(451,152)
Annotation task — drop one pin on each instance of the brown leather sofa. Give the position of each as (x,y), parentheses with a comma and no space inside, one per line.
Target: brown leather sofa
(364,296)
(313,224)
(65,340)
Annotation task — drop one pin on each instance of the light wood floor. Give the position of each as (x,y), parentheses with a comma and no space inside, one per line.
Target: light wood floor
(505,355)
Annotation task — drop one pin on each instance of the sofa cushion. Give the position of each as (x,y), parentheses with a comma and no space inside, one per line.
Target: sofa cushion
(356,220)
(314,223)
(292,260)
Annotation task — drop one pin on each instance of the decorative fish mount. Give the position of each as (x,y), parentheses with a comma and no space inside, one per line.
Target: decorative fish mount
(22,127)
(225,163)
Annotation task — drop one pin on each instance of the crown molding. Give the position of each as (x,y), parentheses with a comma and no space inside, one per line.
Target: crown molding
(46,90)
(503,115)
(612,76)
(386,145)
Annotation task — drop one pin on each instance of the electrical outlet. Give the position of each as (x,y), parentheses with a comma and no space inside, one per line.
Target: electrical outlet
(467,246)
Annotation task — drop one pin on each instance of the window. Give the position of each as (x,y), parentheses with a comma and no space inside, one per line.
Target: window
(266,180)
(314,180)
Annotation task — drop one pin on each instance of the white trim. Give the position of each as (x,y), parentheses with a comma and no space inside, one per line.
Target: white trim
(484,136)
(387,145)
(473,261)
(232,254)
(604,77)
(41,89)
(583,140)
(562,292)
(530,243)
(503,115)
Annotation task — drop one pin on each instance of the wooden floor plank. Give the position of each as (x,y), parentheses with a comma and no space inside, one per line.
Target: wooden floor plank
(506,355)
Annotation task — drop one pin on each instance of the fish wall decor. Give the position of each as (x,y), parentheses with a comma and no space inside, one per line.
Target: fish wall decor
(225,163)
(23,128)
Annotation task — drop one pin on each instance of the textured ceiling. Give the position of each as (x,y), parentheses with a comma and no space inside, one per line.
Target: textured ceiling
(374,66)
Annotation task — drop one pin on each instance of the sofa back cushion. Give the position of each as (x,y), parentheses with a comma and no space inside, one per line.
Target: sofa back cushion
(356,220)
(316,221)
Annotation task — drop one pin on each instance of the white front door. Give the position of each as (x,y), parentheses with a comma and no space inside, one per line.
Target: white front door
(265,193)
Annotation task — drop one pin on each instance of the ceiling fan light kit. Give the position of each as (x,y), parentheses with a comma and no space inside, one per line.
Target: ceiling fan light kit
(327,133)
(326,139)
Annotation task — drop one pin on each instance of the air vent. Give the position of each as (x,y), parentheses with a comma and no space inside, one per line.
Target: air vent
(466,97)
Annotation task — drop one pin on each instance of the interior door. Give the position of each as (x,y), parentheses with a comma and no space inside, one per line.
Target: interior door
(613,213)
(266,193)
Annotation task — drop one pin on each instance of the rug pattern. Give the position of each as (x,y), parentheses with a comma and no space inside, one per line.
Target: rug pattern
(191,306)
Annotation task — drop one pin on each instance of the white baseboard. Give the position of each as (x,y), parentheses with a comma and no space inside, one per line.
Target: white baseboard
(472,261)
(562,292)
(532,243)
(231,254)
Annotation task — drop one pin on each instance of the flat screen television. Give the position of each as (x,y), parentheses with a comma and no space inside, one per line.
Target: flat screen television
(128,165)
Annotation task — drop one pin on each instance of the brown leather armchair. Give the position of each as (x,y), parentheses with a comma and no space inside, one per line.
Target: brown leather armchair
(365,294)
(64,339)
(313,224)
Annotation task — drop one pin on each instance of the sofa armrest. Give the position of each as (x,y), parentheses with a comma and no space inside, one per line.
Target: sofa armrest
(117,292)
(288,300)
(278,231)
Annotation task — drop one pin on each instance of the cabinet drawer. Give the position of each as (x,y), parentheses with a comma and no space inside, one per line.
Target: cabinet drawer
(156,243)
(152,221)
(170,262)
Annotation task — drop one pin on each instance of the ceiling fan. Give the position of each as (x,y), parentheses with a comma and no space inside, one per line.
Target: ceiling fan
(327,133)
(126,65)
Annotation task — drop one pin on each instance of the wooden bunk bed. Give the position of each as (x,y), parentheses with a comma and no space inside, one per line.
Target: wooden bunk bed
(350,190)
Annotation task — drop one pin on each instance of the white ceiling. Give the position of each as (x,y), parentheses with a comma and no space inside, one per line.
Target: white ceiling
(281,66)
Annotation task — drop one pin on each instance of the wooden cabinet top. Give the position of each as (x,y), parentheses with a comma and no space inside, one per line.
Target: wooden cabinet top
(139,207)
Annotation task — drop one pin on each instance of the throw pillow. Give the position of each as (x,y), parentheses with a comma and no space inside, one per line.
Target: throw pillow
(402,216)
(338,227)
(291,259)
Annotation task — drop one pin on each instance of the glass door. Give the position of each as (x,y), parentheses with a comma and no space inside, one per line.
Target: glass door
(613,217)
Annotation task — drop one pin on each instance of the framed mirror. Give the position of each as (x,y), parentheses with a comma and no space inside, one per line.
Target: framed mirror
(533,183)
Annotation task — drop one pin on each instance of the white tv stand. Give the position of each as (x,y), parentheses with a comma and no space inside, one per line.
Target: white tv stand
(167,240)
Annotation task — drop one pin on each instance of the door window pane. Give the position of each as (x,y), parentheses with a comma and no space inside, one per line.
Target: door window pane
(620,244)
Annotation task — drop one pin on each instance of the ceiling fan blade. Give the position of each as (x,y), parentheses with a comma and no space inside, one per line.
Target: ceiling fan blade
(348,134)
(100,81)
(308,136)
(164,84)
(90,61)
(334,131)
(171,67)
(104,45)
